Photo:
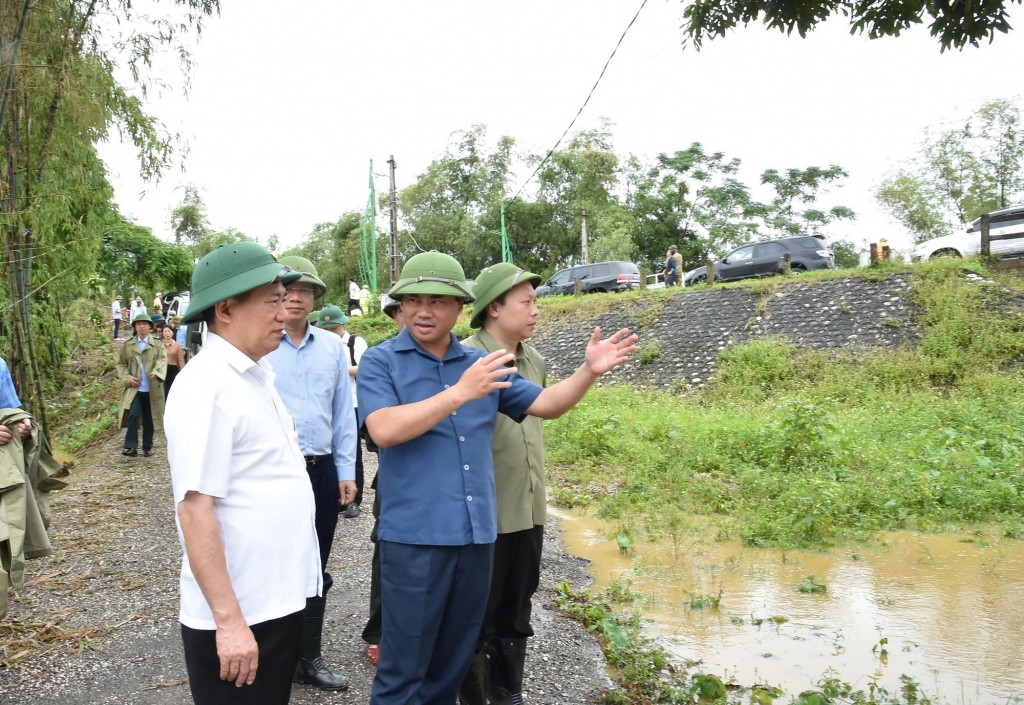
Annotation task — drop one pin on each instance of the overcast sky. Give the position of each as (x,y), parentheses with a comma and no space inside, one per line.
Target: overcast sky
(290,101)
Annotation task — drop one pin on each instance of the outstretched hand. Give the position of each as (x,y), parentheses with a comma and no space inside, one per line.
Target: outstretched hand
(486,375)
(605,355)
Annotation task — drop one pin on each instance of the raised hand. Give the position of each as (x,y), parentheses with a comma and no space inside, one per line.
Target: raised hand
(605,355)
(486,375)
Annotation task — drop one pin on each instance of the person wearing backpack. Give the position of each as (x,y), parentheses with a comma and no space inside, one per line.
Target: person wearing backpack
(333,319)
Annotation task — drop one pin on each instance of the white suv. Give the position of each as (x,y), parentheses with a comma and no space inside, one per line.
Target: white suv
(1008,221)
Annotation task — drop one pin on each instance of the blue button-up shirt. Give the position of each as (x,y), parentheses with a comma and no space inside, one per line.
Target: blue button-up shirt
(313,382)
(8,394)
(143,376)
(437,489)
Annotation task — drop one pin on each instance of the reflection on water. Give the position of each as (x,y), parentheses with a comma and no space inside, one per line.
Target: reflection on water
(952,612)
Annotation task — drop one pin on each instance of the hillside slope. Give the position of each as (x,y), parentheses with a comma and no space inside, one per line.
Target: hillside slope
(690,328)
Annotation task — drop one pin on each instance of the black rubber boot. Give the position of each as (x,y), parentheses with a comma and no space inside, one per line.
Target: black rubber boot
(474,685)
(311,668)
(508,659)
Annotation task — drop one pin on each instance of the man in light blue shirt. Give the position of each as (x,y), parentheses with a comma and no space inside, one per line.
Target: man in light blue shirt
(9,400)
(8,394)
(311,375)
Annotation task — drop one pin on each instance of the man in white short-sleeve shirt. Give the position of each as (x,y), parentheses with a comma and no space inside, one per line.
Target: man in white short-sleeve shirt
(244,505)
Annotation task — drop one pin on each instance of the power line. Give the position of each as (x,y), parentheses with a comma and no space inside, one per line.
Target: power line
(587,100)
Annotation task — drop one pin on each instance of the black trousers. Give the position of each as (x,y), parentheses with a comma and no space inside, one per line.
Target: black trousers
(117,327)
(359,471)
(140,408)
(280,643)
(515,578)
(324,479)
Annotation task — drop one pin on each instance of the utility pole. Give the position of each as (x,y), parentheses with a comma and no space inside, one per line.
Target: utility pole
(586,250)
(394,223)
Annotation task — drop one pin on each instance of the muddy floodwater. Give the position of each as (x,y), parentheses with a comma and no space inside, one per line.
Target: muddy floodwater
(946,610)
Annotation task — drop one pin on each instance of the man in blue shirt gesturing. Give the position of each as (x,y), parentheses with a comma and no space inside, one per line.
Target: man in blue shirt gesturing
(430,405)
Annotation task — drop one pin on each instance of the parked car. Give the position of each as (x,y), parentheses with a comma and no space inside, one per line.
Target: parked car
(176,304)
(764,259)
(597,277)
(1008,221)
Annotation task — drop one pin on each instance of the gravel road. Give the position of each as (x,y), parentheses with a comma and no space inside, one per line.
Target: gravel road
(97,620)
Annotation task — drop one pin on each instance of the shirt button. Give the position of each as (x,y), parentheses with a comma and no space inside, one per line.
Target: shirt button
(446,386)
(454,412)
(469,498)
(462,439)
(466,468)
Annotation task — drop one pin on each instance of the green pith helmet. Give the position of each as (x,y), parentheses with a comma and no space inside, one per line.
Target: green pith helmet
(390,306)
(309,274)
(231,270)
(492,283)
(142,318)
(432,273)
(331,317)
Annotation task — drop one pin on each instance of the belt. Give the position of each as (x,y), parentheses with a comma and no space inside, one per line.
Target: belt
(313,459)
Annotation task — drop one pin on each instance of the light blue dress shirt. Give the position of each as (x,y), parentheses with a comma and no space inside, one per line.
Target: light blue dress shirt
(144,378)
(313,382)
(8,394)
(437,489)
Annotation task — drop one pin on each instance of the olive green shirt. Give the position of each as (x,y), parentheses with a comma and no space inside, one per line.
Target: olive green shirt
(518,448)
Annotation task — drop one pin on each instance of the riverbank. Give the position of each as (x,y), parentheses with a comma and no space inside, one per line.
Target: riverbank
(97,621)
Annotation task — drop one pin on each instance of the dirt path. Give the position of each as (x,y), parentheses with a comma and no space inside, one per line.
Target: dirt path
(109,595)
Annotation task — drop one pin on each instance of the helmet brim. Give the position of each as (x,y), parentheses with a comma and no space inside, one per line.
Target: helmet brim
(236,286)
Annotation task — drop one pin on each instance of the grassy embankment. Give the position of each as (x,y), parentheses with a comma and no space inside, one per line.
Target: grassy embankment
(791,448)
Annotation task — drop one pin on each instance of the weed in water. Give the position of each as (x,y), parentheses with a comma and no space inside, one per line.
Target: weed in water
(810,585)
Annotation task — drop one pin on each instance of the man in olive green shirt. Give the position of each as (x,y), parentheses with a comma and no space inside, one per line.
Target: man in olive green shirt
(506,310)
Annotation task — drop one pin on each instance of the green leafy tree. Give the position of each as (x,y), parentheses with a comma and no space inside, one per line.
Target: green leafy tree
(847,256)
(188,219)
(454,205)
(334,249)
(60,97)
(133,258)
(959,173)
(691,200)
(582,177)
(792,209)
(954,24)
(211,240)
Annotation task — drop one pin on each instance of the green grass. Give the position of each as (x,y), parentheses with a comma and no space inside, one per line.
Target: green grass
(792,448)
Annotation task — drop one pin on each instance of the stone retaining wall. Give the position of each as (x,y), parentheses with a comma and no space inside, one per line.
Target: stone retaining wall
(693,327)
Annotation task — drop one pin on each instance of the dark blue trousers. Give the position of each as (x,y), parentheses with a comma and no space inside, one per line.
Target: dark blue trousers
(140,409)
(434,599)
(323,476)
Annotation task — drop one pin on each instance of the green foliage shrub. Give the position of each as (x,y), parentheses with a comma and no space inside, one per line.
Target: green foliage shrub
(795,448)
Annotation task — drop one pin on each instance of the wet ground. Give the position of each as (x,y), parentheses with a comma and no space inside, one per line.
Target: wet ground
(945,610)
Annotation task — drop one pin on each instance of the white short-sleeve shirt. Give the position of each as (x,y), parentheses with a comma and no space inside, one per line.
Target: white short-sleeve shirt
(230,437)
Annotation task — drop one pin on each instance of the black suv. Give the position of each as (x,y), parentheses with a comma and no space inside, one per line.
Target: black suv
(595,278)
(763,259)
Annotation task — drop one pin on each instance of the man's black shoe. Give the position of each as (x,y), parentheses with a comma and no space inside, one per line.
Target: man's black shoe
(129,452)
(147,453)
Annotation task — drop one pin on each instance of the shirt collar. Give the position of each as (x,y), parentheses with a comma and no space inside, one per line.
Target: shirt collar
(404,341)
(492,345)
(232,355)
(285,338)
